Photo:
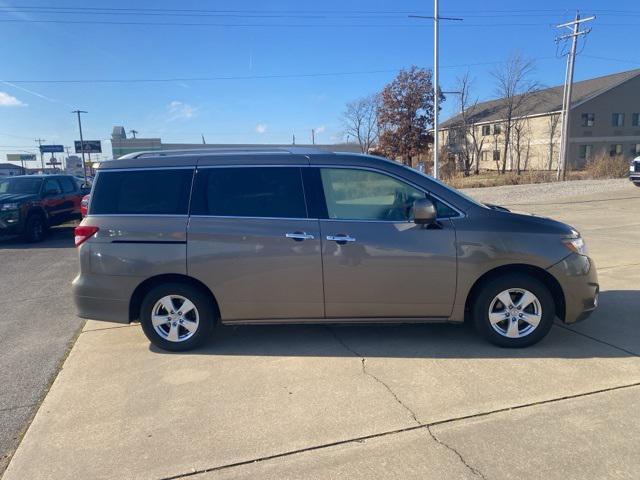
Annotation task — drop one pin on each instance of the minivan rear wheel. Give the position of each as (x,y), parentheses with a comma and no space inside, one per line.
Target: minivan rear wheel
(513,310)
(177,317)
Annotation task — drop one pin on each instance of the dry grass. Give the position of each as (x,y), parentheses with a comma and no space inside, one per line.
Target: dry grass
(605,166)
(494,179)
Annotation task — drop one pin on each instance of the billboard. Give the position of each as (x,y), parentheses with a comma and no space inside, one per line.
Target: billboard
(20,157)
(90,146)
(51,148)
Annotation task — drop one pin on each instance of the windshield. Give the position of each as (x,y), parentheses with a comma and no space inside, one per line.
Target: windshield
(20,185)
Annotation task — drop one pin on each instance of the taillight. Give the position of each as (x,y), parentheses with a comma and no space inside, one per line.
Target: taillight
(83,205)
(84,233)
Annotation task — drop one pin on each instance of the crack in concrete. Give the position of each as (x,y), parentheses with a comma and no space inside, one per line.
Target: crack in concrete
(396,432)
(473,470)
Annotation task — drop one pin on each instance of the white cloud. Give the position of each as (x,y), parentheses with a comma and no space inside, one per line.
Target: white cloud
(321,129)
(180,111)
(261,128)
(7,100)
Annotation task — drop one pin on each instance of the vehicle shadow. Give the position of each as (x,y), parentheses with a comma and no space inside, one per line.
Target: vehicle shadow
(57,237)
(426,340)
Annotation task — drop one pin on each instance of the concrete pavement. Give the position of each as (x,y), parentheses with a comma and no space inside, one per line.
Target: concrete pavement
(417,401)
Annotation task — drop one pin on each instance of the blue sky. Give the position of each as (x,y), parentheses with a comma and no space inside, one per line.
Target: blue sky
(264,38)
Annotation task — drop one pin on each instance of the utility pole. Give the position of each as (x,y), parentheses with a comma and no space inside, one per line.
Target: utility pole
(65,163)
(84,165)
(133,132)
(39,142)
(568,84)
(313,136)
(436,66)
(294,139)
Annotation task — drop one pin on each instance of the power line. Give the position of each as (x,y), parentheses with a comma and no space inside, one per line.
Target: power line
(244,77)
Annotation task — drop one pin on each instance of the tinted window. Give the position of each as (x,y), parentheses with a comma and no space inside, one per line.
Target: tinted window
(67,185)
(142,192)
(20,185)
(365,195)
(51,185)
(249,192)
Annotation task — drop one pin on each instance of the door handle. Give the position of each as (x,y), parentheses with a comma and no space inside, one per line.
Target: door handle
(341,239)
(299,236)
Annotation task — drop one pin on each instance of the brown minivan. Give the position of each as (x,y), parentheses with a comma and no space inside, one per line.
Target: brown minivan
(182,240)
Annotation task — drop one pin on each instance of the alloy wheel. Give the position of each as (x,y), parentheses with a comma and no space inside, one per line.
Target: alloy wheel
(175,318)
(515,313)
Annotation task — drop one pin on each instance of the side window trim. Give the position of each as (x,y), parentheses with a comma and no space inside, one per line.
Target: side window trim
(382,172)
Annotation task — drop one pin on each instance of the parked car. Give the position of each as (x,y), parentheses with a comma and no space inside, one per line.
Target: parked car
(181,242)
(84,204)
(29,204)
(634,171)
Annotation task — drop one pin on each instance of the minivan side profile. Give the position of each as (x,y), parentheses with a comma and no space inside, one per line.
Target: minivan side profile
(183,240)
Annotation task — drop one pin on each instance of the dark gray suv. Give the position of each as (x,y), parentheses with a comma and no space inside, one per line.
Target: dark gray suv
(183,240)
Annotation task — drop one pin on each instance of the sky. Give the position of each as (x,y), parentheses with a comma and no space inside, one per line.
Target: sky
(252,71)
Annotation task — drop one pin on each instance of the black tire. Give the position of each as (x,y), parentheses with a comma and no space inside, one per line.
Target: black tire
(35,228)
(203,306)
(637,184)
(489,291)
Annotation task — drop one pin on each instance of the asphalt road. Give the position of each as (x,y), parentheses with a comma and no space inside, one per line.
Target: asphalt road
(38,326)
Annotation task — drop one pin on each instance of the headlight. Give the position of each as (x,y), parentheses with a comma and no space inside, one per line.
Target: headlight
(9,206)
(576,245)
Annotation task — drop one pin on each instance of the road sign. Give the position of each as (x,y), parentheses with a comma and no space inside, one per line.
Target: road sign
(90,146)
(20,157)
(51,148)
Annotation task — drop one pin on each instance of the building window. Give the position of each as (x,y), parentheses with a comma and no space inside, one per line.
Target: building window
(497,129)
(585,151)
(496,155)
(635,120)
(636,149)
(588,119)
(617,120)
(615,150)
(486,130)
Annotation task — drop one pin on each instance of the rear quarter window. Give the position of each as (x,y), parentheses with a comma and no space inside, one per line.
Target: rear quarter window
(249,192)
(142,192)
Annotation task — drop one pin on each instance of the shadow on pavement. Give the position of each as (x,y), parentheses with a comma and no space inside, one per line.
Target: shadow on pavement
(418,340)
(57,237)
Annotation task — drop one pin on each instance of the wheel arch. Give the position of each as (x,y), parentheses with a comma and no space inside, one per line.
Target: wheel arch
(539,273)
(145,287)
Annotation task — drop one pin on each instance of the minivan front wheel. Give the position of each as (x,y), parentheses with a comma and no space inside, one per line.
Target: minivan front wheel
(514,310)
(176,316)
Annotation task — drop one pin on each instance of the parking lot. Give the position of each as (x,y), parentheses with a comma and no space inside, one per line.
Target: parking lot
(411,401)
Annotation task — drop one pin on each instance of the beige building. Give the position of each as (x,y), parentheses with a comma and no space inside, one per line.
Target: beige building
(605,120)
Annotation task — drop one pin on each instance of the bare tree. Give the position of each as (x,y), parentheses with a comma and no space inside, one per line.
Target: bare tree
(553,121)
(465,130)
(360,121)
(516,89)
(521,142)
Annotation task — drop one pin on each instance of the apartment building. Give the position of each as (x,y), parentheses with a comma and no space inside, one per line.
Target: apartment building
(605,120)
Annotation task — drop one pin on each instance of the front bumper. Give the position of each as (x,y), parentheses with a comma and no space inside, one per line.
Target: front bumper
(11,223)
(579,281)
(634,177)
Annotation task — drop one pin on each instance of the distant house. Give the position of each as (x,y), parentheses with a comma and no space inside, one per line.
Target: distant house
(605,120)
(7,169)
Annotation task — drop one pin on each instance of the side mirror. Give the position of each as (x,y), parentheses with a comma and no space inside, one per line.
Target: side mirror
(424,212)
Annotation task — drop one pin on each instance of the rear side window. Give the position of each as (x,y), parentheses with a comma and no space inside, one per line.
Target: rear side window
(249,192)
(67,185)
(142,192)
